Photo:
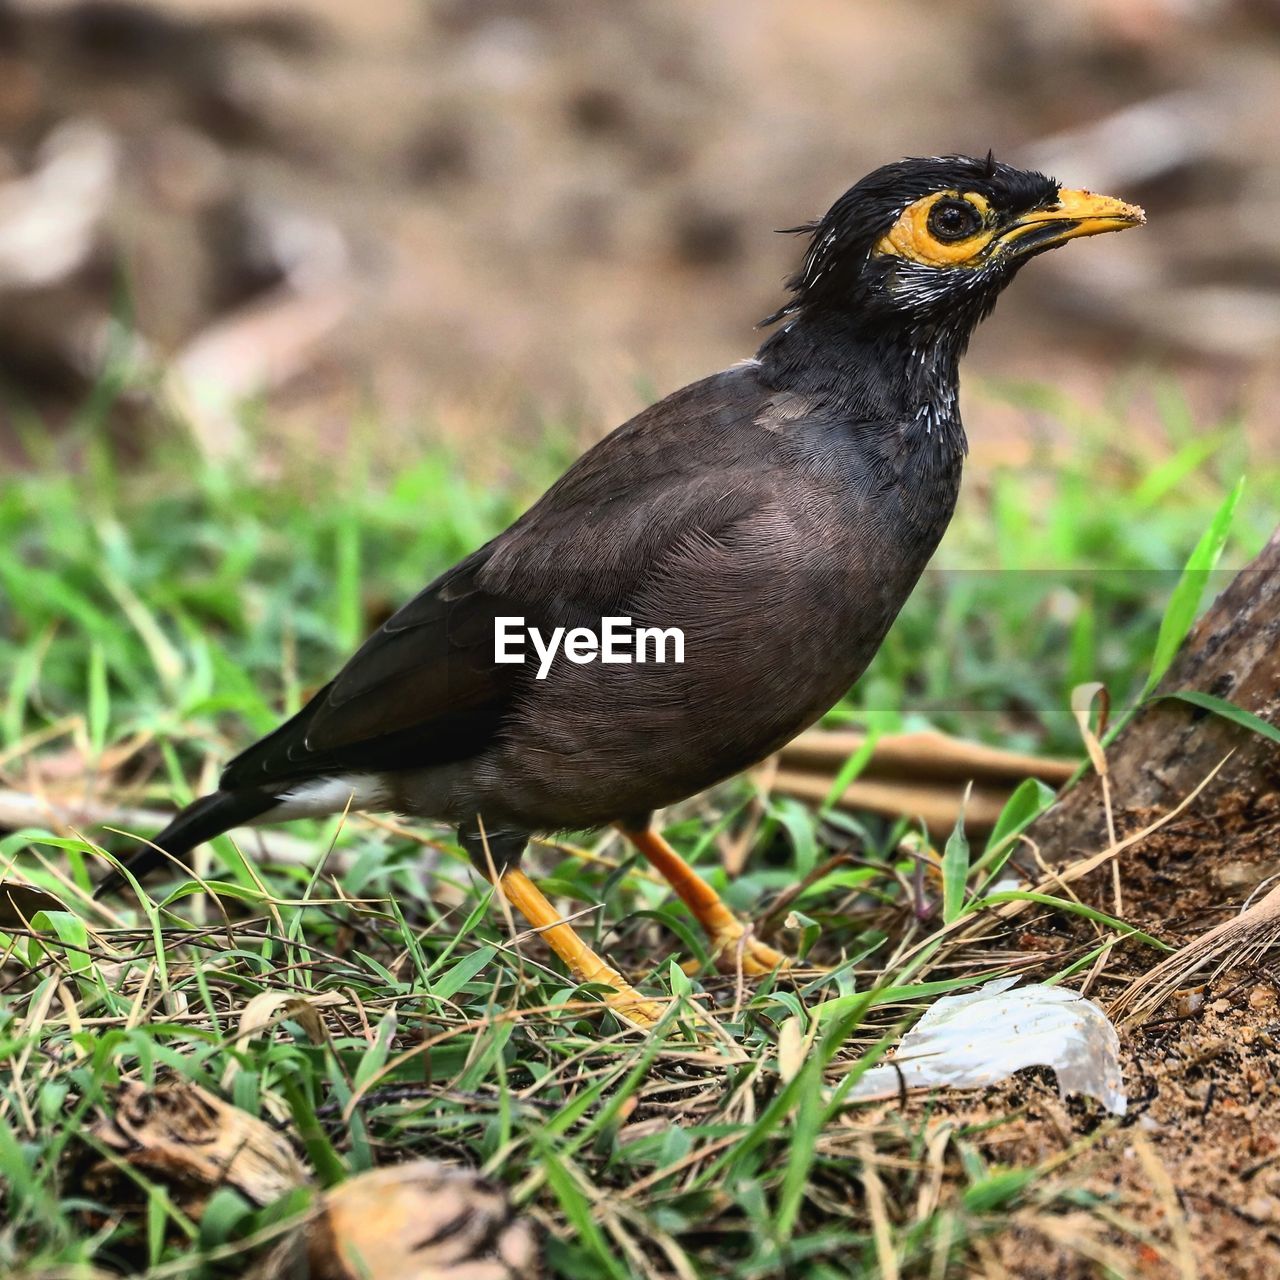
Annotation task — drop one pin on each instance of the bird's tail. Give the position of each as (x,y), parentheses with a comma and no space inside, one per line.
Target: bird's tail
(201,820)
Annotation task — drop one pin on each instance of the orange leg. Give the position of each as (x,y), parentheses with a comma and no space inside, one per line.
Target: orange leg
(583,963)
(731,940)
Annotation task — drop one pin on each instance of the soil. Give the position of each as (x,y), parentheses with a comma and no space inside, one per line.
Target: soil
(1191,1175)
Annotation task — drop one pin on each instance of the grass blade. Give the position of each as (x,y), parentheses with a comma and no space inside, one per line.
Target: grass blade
(1185,601)
(955,869)
(1029,800)
(1227,710)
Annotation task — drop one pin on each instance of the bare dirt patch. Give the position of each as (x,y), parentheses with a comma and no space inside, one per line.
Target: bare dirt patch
(1188,1183)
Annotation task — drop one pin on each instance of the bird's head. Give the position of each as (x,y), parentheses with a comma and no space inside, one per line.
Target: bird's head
(927,244)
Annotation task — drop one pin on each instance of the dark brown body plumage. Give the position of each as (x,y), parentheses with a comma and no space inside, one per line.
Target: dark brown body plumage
(781,569)
(778,513)
(779,536)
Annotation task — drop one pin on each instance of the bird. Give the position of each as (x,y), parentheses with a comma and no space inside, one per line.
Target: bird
(773,517)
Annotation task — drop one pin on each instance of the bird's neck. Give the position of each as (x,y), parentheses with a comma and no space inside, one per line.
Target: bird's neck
(906,382)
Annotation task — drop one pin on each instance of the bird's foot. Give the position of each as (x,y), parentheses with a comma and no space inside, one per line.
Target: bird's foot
(735,948)
(626,1002)
(634,1009)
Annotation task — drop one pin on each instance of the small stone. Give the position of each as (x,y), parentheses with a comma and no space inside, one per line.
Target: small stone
(1188,1002)
(1261,1208)
(1263,996)
(1235,875)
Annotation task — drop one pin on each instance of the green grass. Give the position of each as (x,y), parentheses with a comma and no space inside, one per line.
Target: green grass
(177,610)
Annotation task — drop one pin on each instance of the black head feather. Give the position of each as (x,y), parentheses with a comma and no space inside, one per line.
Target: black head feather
(838,271)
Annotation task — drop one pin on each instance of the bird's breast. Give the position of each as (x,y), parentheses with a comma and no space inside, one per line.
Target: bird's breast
(778,618)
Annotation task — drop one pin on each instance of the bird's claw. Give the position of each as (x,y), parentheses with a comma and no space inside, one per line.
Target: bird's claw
(734,949)
(634,1009)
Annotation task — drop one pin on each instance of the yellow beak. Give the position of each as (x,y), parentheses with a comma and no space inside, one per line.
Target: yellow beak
(1077,213)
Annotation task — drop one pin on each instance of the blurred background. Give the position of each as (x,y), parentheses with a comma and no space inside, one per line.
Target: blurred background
(302,300)
(474,216)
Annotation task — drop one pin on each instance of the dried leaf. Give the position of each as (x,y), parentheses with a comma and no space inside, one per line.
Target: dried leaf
(188,1137)
(936,804)
(923,755)
(919,775)
(417,1221)
(1082,697)
(791,1049)
(270,1007)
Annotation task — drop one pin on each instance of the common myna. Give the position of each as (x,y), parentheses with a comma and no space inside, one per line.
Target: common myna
(773,517)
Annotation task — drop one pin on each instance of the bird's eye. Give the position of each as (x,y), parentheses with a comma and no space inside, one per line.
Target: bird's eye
(951,220)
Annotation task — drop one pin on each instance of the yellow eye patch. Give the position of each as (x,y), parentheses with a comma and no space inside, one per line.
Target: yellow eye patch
(910,237)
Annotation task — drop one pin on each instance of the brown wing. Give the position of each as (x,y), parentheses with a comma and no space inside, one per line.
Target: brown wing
(424,689)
